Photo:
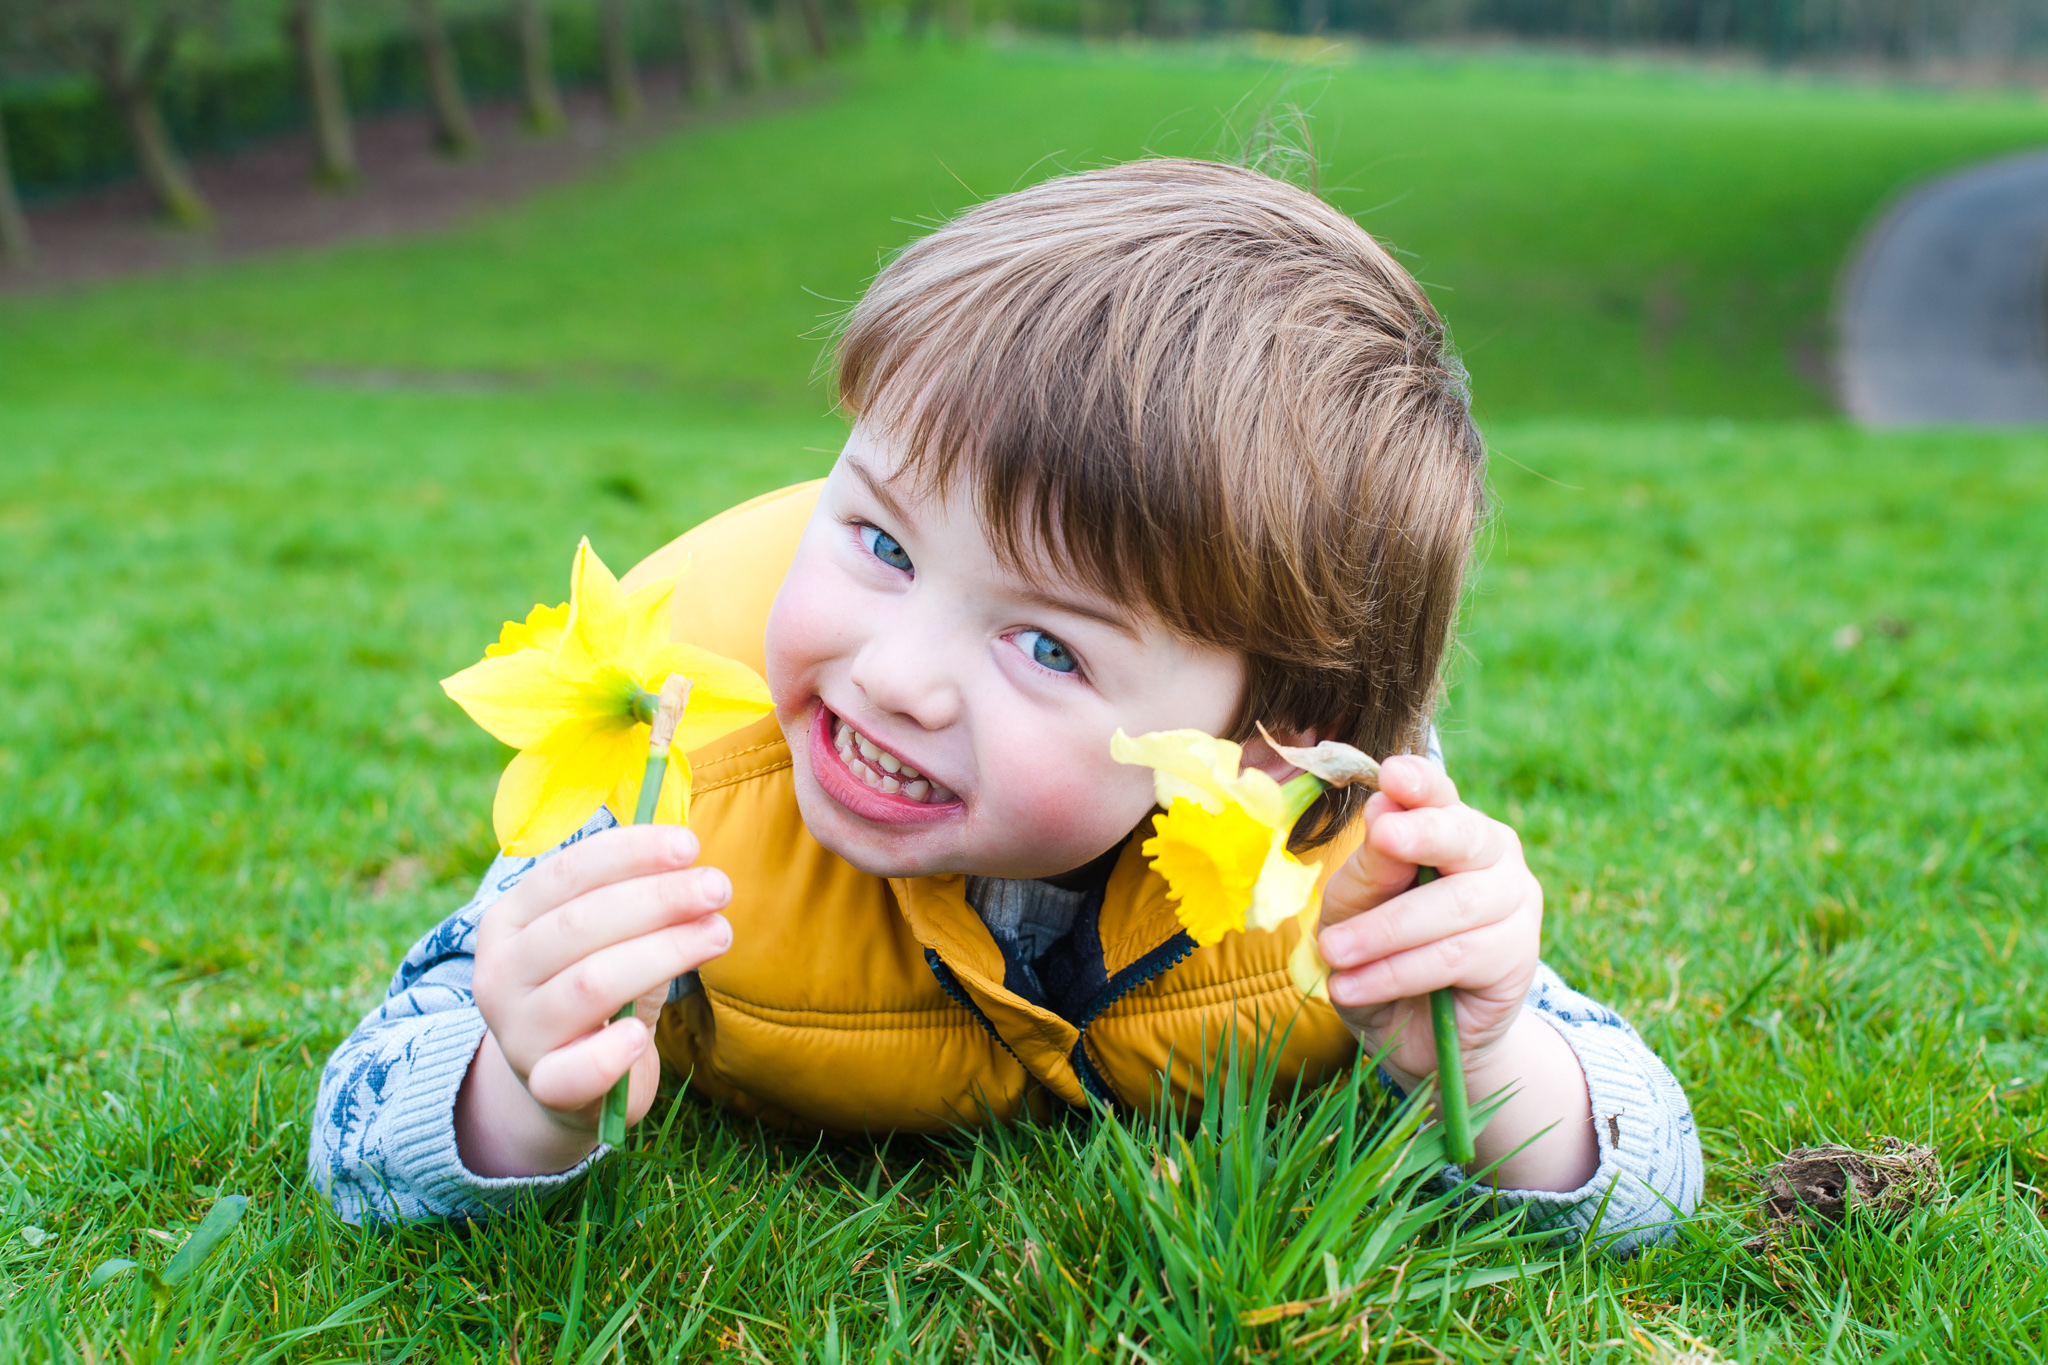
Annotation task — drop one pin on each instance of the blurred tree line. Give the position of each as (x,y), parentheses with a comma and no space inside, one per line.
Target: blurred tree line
(94,88)
(1901,31)
(91,89)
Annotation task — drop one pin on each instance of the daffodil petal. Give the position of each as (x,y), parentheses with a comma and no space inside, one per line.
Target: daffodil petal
(646,635)
(549,790)
(593,641)
(516,697)
(725,695)
(672,807)
(542,629)
(1260,796)
(1305,963)
(1186,765)
(1283,888)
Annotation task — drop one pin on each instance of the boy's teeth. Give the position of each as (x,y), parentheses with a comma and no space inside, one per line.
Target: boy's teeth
(882,770)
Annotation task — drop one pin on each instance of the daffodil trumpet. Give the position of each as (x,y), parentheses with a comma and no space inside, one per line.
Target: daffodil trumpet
(1221,846)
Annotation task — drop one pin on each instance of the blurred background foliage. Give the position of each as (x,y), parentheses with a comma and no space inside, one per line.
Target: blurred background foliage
(236,70)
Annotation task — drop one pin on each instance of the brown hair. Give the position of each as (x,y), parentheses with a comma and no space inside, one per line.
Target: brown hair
(1207,392)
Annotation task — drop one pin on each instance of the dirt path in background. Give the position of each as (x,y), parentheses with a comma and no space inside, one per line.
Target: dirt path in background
(1942,315)
(264,200)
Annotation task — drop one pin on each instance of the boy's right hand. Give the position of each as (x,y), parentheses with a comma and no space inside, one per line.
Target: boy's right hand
(612,920)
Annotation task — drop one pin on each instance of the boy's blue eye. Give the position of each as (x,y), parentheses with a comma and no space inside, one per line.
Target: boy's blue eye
(1047,652)
(883,546)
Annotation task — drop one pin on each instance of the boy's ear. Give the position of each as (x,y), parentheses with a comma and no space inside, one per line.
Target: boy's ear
(1259,754)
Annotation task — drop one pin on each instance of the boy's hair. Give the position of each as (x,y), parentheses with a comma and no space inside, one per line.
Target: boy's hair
(1208,394)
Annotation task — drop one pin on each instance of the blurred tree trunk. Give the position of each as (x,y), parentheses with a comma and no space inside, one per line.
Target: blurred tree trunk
(454,130)
(132,85)
(621,80)
(537,92)
(788,48)
(917,18)
(699,69)
(15,243)
(852,21)
(742,46)
(334,144)
(957,16)
(816,32)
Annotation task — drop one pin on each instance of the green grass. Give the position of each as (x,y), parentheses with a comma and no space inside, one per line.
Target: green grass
(250,515)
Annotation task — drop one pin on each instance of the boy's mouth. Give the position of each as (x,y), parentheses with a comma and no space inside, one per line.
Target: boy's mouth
(869,780)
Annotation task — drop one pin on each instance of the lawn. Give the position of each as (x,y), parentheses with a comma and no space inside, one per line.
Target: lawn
(1761,691)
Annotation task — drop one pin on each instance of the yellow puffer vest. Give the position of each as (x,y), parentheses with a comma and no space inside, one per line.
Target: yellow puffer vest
(856,1004)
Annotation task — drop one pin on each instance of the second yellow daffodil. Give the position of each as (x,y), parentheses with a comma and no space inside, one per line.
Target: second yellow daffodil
(572,688)
(1221,843)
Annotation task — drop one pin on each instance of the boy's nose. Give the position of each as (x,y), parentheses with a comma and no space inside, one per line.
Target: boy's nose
(907,677)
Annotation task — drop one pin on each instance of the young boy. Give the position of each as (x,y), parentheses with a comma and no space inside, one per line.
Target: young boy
(1168,445)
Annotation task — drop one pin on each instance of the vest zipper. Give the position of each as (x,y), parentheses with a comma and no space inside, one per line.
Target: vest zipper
(1153,964)
(950,984)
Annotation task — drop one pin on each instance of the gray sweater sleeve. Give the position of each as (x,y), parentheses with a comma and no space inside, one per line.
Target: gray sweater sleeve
(1651,1173)
(383,1141)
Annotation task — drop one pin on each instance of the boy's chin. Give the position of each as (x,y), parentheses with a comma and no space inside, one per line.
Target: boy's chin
(909,852)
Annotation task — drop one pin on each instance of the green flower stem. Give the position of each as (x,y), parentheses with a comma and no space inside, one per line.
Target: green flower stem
(1450,1065)
(611,1124)
(1300,793)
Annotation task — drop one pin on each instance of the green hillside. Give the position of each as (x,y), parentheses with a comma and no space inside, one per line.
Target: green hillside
(1761,691)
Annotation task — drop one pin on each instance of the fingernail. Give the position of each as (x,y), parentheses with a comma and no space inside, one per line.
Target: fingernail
(1336,947)
(721,932)
(682,844)
(714,885)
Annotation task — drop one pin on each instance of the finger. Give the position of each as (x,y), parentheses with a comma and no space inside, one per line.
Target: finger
(613,914)
(1435,910)
(1368,878)
(575,1076)
(616,855)
(1418,971)
(1454,839)
(1411,780)
(586,993)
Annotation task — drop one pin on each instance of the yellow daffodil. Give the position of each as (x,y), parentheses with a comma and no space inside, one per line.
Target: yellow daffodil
(572,687)
(1221,844)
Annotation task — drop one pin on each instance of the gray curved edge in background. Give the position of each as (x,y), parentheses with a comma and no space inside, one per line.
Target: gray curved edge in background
(1941,316)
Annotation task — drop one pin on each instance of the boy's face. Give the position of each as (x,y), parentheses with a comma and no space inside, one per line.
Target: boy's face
(899,639)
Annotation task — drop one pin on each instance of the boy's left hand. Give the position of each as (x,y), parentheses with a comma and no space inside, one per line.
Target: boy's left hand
(1476,928)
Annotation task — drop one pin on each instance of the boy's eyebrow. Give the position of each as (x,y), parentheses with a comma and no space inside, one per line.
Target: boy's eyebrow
(1039,597)
(879,489)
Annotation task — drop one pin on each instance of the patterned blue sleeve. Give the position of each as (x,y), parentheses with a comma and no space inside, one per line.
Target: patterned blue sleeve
(1651,1173)
(383,1142)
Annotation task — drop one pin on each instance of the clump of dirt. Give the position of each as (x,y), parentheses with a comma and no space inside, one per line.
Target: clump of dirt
(1816,1187)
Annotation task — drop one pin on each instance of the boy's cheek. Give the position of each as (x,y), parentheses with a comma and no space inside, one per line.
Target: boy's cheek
(806,628)
(1078,812)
